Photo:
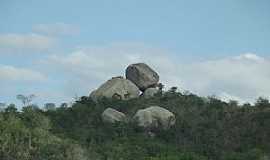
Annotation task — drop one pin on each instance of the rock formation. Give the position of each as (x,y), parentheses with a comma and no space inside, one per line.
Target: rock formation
(111,115)
(139,77)
(142,75)
(150,92)
(118,88)
(154,117)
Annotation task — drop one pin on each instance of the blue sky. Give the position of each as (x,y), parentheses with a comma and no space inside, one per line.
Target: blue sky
(68,48)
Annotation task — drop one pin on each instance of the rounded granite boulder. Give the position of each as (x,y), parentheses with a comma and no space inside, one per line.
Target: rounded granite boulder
(142,75)
(118,88)
(111,115)
(154,117)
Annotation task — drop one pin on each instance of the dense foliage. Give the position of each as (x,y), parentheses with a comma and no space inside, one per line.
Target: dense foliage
(206,129)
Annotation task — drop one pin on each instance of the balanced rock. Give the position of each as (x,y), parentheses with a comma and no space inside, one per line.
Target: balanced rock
(154,117)
(150,92)
(118,88)
(111,115)
(142,75)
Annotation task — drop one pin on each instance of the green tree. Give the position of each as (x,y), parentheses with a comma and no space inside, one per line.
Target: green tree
(262,103)
(26,100)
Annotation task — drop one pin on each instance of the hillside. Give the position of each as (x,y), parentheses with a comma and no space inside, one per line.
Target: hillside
(205,129)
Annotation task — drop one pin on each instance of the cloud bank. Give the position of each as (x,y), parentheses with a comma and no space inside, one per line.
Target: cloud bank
(243,78)
(11,73)
(29,41)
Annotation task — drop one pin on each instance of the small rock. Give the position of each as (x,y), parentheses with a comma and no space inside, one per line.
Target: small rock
(150,92)
(111,115)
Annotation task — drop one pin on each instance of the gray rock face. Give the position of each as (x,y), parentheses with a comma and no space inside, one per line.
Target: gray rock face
(117,87)
(150,92)
(154,117)
(142,75)
(111,115)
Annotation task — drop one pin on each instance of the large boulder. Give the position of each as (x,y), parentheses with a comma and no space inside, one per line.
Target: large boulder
(154,117)
(150,92)
(118,88)
(111,115)
(142,75)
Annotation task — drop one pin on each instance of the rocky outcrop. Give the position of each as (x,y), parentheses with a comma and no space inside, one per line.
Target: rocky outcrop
(150,92)
(111,115)
(118,88)
(142,75)
(154,117)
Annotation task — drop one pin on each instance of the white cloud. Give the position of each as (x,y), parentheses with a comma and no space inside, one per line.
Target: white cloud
(245,76)
(57,29)
(241,78)
(42,38)
(26,41)
(104,62)
(11,73)
(250,57)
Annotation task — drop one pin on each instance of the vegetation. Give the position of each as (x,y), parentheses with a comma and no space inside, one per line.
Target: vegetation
(206,129)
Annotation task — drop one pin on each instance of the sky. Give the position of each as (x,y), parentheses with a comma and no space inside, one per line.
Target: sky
(62,49)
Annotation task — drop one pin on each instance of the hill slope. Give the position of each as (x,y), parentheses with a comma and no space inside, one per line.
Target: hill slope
(206,128)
